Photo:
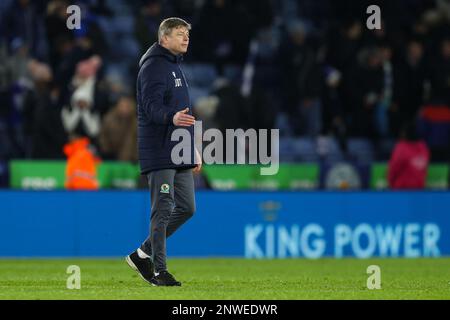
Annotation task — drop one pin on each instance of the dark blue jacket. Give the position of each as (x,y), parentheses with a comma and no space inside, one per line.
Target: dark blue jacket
(162,91)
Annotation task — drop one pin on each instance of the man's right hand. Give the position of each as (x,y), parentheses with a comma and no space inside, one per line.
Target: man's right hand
(182,119)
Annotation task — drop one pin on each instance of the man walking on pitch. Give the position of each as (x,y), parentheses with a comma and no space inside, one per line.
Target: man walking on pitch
(163,106)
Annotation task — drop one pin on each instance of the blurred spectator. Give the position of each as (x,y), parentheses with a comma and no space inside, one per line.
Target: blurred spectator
(185,9)
(100,7)
(72,52)
(363,86)
(231,112)
(233,23)
(260,83)
(377,37)
(118,135)
(440,74)
(409,161)
(18,63)
(22,21)
(90,28)
(205,110)
(410,80)
(344,44)
(70,48)
(116,87)
(81,117)
(302,81)
(386,109)
(57,31)
(333,111)
(5,98)
(18,84)
(147,23)
(5,81)
(434,128)
(42,120)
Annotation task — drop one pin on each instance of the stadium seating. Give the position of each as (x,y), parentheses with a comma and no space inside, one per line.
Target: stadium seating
(329,149)
(233,73)
(197,92)
(360,150)
(305,150)
(200,74)
(287,152)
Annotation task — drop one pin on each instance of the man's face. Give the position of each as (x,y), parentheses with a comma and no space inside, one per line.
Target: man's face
(178,40)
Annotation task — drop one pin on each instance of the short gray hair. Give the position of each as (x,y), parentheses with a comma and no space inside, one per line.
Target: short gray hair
(167,25)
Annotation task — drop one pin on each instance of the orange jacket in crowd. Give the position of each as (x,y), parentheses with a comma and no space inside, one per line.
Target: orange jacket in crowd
(81,168)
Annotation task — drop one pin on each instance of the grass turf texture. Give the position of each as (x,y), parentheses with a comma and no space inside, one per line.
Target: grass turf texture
(229,279)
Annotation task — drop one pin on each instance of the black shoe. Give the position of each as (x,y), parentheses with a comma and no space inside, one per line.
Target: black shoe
(144,267)
(164,278)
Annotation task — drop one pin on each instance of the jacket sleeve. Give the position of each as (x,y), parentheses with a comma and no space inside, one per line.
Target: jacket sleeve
(153,85)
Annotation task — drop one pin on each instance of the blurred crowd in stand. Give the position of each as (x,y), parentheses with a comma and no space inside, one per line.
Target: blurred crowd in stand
(308,67)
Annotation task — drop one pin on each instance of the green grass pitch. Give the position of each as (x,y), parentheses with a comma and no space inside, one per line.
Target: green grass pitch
(219,278)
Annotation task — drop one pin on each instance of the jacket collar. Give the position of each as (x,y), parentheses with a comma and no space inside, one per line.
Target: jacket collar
(157,50)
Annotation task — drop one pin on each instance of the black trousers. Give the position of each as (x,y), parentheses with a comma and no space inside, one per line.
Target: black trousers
(172,204)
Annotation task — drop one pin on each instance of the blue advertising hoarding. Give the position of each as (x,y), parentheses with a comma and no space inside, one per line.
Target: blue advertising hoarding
(241,224)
